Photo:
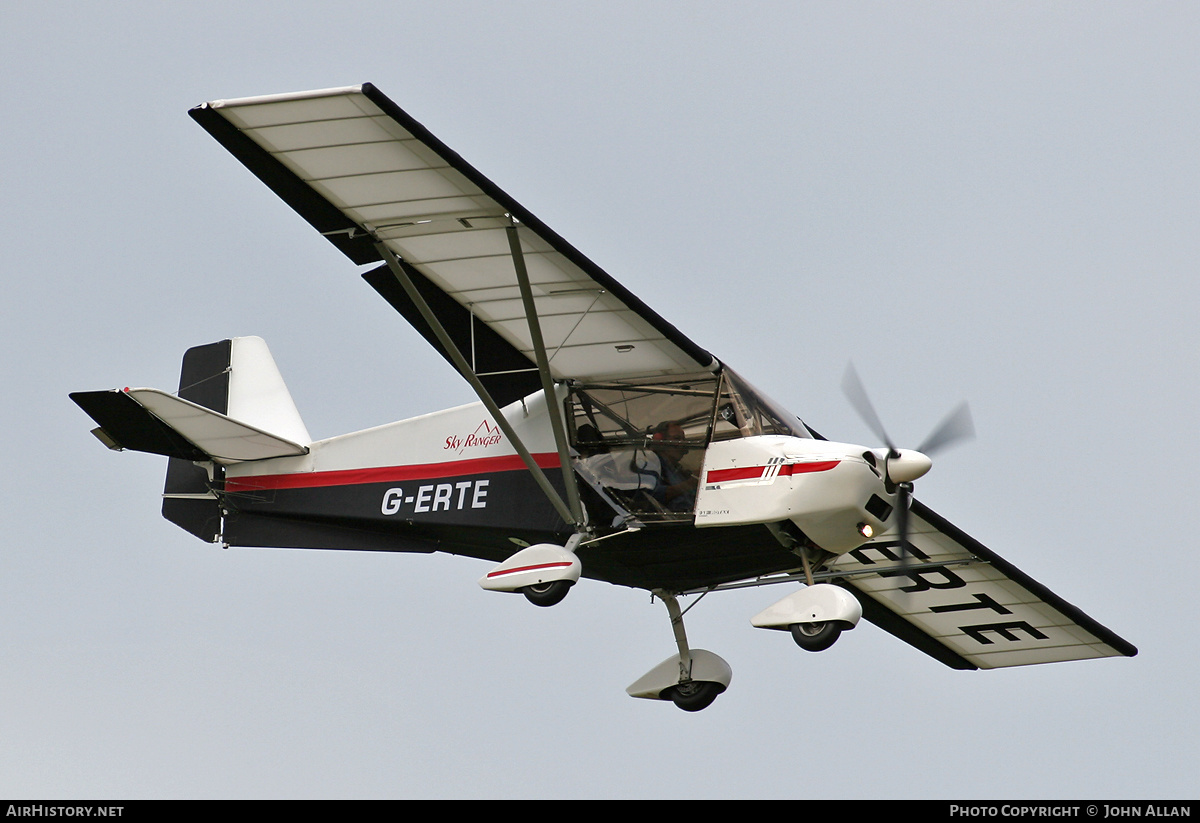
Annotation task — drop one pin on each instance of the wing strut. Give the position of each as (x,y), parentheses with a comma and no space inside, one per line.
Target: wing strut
(464,369)
(543,364)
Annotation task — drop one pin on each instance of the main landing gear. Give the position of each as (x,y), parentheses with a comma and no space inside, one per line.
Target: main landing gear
(816,615)
(691,680)
(544,572)
(815,637)
(546,594)
(694,695)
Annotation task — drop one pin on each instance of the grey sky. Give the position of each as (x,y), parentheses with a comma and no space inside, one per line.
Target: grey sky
(996,202)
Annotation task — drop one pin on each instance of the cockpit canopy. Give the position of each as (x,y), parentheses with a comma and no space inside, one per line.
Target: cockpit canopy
(641,445)
(705,407)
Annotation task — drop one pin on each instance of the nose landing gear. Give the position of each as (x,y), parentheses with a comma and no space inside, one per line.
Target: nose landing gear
(691,680)
(816,615)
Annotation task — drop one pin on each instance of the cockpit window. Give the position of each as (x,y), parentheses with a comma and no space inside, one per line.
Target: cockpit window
(642,445)
(625,414)
(708,407)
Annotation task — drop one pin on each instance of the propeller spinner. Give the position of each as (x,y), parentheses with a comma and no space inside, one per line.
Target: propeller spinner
(903,466)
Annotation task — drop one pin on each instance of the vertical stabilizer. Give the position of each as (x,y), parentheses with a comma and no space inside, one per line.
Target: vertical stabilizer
(237,378)
(257,394)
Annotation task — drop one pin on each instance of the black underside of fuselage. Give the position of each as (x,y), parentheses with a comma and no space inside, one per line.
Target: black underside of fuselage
(676,556)
(490,517)
(679,557)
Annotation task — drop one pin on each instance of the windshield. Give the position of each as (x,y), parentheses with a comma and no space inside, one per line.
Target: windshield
(746,412)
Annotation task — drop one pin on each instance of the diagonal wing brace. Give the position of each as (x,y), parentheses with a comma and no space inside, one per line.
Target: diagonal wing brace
(464,368)
(543,364)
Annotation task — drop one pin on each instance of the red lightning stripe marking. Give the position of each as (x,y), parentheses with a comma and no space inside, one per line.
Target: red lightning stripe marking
(754,472)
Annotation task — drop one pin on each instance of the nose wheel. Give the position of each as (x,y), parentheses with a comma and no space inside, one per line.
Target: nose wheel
(692,679)
(694,695)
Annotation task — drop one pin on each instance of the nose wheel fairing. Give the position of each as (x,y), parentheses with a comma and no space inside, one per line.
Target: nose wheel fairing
(693,679)
(709,676)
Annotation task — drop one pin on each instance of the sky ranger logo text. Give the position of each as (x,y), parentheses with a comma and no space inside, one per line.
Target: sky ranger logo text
(485,435)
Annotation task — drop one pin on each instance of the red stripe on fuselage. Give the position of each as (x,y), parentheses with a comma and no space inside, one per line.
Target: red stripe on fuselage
(725,475)
(804,468)
(753,472)
(388,474)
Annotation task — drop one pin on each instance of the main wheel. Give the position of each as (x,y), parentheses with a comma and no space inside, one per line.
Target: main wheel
(694,695)
(815,637)
(547,594)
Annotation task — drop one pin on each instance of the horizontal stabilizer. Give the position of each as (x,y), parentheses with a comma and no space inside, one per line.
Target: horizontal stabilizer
(151,420)
(127,424)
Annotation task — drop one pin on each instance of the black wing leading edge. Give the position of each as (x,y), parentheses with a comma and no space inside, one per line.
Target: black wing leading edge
(360,171)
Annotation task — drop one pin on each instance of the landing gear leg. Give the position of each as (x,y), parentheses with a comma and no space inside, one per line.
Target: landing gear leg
(808,578)
(688,694)
(691,679)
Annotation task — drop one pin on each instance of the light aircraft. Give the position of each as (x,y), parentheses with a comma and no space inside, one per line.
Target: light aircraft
(605,443)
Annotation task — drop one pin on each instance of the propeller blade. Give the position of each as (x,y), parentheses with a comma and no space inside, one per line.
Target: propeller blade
(904,494)
(856,393)
(958,425)
(903,501)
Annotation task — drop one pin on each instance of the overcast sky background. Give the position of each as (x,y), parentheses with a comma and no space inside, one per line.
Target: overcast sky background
(997,202)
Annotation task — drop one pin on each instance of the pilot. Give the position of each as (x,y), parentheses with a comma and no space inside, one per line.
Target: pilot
(675,486)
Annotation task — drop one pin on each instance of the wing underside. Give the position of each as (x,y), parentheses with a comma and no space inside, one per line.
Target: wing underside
(362,171)
(964,605)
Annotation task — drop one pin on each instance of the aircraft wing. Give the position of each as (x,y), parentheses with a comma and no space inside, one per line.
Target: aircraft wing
(964,605)
(361,170)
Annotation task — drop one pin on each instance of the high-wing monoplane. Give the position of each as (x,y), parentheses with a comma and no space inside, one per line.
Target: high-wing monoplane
(605,444)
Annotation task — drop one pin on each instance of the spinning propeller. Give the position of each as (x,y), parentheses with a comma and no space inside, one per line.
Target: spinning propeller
(902,466)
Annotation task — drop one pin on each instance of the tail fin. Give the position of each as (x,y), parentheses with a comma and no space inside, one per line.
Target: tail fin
(239,379)
(232,405)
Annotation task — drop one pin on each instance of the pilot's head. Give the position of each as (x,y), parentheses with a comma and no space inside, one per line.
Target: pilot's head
(669,430)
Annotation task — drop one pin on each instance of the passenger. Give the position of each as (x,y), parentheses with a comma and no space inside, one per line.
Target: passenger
(675,486)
